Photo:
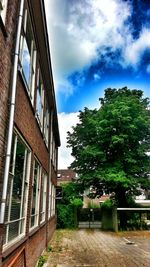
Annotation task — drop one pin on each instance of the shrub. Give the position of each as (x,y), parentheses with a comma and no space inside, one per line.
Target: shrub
(41,261)
(107,204)
(65,216)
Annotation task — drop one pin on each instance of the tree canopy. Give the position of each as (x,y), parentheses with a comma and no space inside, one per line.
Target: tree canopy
(110,145)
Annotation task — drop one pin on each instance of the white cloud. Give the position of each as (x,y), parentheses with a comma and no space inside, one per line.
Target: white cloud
(66,121)
(136,48)
(80,32)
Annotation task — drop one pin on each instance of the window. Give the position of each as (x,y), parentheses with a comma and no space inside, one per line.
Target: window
(17,195)
(54,153)
(46,123)
(49,199)
(27,55)
(3,9)
(43,197)
(53,200)
(40,100)
(51,144)
(35,194)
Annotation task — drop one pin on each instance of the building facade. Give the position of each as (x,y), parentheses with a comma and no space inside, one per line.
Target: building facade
(65,176)
(29,134)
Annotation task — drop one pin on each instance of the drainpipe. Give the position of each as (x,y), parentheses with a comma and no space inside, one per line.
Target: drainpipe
(11,117)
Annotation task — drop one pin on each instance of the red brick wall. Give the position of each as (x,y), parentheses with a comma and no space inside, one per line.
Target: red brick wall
(31,249)
(27,124)
(6,55)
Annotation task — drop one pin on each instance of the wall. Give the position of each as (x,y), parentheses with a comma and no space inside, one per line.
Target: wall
(6,53)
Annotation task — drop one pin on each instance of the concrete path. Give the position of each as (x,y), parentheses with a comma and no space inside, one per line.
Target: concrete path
(96,248)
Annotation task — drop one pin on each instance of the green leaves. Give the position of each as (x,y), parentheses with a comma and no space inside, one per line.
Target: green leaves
(110,144)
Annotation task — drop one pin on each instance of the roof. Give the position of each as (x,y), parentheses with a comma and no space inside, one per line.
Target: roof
(66,175)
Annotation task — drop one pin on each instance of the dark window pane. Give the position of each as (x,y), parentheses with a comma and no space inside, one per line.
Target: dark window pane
(18,181)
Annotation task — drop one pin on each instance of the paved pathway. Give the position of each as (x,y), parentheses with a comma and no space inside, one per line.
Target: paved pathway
(97,248)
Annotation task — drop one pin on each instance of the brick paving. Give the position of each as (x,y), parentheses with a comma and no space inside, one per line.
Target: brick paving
(76,248)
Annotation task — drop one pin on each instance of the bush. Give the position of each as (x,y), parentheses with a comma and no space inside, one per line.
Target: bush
(93,206)
(107,204)
(41,261)
(65,216)
(67,207)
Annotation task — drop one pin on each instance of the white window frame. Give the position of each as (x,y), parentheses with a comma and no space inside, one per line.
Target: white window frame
(54,153)
(50,199)
(24,192)
(43,197)
(30,85)
(37,197)
(42,96)
(46,123)
(3,9)
(53,200)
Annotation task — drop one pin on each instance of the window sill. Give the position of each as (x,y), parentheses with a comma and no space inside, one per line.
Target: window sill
(12,246)
(33,230)
(42,223)
(2,26)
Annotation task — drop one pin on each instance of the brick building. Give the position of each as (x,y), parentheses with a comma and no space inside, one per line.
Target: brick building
(65,176)
(29,134)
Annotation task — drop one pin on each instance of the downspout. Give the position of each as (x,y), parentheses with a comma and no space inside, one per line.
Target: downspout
(11,117)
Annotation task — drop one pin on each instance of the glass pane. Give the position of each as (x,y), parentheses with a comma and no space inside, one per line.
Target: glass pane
(18,182)
(35,194)
(32,221)
(39,98)
(26,165)
(34,188)
(13,230)
(26,61)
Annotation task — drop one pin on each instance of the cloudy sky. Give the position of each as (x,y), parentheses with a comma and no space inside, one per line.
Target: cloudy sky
(96,44)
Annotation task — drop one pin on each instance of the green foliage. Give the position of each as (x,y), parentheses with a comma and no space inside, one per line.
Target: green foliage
(70,191)
(65,216)
(41,261)
(93,206)
(66,209)
(76,202)
(107,204)
(110,144)
(49,249)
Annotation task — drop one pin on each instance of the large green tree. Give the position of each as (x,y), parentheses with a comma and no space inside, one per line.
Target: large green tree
(110,145)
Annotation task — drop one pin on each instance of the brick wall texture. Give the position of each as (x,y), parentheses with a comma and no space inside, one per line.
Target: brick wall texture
(25,122)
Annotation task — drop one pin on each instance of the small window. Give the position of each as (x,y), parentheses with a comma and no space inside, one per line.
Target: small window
(53,200)
(50,199)
(27,55)
(40,100)
(46,123)
(43,197)
(3,9)
(35,194)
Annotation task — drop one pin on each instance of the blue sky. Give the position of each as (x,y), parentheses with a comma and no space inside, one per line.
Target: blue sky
(96,44)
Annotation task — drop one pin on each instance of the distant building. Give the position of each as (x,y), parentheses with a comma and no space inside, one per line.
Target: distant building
(65,176)
(29,135)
